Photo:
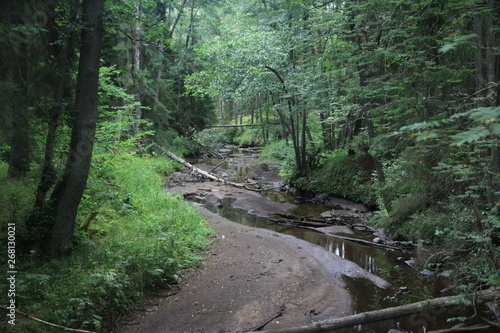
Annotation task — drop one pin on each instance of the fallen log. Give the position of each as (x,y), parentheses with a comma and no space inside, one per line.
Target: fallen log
(240,125)
(390,313)
(204,173)
(350,239)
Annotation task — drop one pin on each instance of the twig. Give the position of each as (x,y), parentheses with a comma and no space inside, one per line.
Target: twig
(218,165)
(47,323)
(114,185)
(278,314)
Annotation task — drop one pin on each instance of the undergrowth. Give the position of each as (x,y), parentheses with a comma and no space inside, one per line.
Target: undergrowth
(133,237)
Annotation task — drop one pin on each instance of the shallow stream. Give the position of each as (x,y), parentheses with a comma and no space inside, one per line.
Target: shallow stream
(408,284)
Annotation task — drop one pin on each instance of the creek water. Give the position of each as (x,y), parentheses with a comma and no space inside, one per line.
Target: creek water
(407,284)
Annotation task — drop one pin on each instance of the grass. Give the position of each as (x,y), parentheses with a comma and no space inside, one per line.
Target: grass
(142,238)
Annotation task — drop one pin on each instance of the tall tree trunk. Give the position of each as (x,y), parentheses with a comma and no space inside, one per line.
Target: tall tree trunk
(137,65)
(491,54)
(19,159)
(493,69)
(68,192)
(478,73)
(378,166)
(60,51)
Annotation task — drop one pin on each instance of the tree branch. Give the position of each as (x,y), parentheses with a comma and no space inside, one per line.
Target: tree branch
(398,311)
(47,323)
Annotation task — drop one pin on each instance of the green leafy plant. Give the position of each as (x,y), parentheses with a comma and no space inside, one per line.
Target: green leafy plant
(142,238)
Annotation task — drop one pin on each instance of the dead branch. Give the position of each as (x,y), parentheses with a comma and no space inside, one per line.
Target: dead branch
(204,173)
(350,239)
(395,312)
(261,326)
(47,323)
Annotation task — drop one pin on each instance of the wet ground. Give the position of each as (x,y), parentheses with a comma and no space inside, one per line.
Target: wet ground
(258,269)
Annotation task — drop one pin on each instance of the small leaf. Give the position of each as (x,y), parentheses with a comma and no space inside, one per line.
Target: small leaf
(446,47)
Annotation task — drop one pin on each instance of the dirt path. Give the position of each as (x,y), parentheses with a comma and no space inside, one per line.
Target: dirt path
(252,277)
(249,276)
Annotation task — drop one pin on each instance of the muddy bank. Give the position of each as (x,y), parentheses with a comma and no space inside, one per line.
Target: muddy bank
(249,276)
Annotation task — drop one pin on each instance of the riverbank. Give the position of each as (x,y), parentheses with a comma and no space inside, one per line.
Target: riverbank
(249,277)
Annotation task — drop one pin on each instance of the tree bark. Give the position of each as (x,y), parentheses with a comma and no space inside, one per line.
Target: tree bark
(60,51)
(137,65)
(491,54)
(395,312)
(68,192)
(378,167)
(17,101)
(478,61)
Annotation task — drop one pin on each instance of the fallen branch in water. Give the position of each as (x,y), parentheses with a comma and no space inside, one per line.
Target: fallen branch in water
(204,173)
(47,323)
(395,312)
(350,239)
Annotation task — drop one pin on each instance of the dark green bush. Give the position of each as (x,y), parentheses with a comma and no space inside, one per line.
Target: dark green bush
(343,174)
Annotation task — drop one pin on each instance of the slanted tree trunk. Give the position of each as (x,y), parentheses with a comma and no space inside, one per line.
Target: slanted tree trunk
(68,192)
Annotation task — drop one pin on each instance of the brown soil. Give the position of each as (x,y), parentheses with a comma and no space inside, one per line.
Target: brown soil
(250,275)
(252,278)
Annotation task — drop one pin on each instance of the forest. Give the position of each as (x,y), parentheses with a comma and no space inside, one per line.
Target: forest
(394,104)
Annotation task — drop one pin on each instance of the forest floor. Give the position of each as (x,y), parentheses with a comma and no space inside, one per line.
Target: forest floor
(251,278)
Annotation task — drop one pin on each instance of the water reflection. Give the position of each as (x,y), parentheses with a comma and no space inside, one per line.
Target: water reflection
(364,256)
(383,263)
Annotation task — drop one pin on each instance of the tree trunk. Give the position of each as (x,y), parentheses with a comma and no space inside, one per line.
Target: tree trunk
(19,159)
(68,192)
(395,312)
(60,51)
(378,167)
(491,54)
(137,66)
(16,66)
(478,63)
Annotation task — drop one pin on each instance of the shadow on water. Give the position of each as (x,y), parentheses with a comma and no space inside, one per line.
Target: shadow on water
(408,285)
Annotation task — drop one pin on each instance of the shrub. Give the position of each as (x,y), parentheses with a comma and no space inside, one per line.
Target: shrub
(142,238)
(342,174)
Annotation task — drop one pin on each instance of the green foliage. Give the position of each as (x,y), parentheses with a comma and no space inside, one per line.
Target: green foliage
(212,139)
(342,175)
(277,151)
(15,201)
(142,238)
(249,137)
(282,153)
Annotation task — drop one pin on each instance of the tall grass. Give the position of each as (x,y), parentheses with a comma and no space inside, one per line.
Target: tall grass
(142,238)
